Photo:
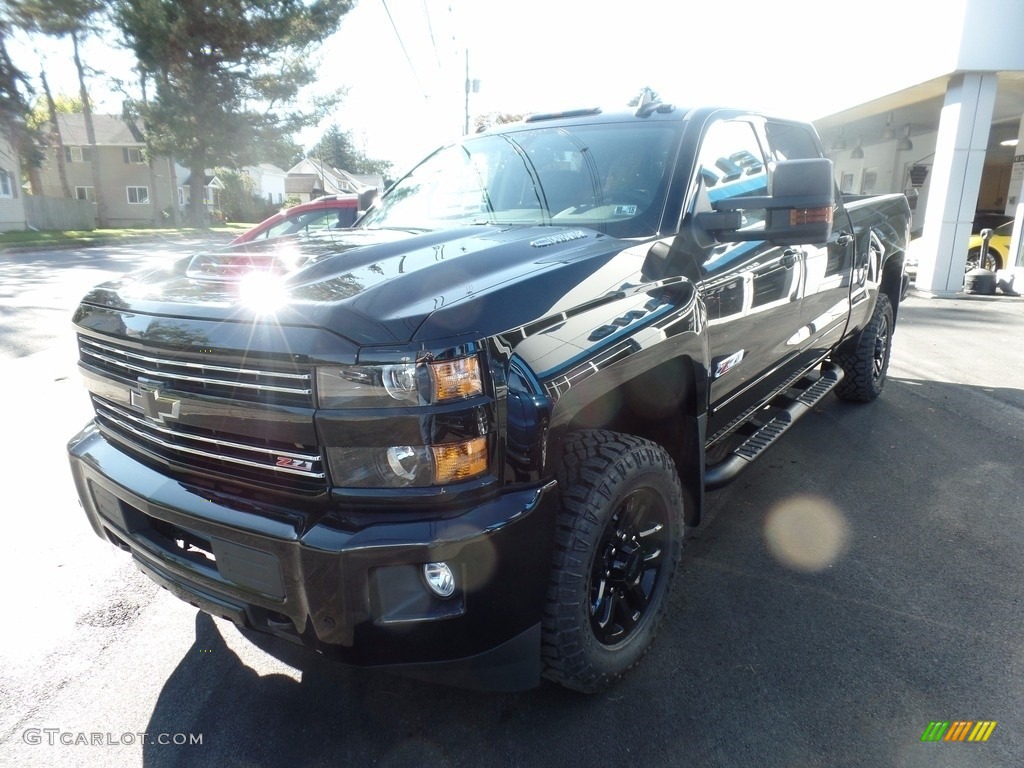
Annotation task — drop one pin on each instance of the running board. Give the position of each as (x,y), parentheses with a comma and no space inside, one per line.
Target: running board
(725,471)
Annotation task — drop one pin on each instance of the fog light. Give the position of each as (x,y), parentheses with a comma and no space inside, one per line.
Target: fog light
(440,579)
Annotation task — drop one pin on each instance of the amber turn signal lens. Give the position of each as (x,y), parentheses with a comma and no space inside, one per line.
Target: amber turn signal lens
(800,216)
(456,379)
(459,461)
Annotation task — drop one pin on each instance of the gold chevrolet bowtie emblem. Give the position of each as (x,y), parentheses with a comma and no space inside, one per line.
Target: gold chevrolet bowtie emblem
(152,402)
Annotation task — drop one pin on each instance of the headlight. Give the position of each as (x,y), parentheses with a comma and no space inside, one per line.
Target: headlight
(405,466)
(402,383)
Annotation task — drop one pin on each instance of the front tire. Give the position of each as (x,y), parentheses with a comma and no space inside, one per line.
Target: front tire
(992,260)
(865,359)
(618,543)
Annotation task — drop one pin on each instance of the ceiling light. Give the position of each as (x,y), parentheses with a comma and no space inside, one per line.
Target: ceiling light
(888,134)
(1008,143)
(905,143)
(839,144)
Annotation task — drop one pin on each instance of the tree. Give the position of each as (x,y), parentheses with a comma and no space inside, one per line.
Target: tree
(14,109)
(282,151)
(485,121)
(13,85)
(239,199)
(226,75)
(74,19)
(55,140)
(337,150)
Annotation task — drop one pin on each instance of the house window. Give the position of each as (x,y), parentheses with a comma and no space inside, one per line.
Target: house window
(86,193)
(78,154)
(138,195)
(132,155)
(6,183)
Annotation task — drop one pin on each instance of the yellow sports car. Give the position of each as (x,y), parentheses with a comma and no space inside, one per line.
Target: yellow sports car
(998,255)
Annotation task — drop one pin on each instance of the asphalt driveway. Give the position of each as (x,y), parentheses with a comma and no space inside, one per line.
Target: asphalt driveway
(862,580)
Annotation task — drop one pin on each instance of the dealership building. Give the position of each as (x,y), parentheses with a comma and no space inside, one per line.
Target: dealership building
(953,142)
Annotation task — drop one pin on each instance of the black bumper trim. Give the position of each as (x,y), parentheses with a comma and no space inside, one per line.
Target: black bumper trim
(500,547)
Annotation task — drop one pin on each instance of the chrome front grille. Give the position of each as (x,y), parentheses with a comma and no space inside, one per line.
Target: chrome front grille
(282,465)
(281,385)
(255,413)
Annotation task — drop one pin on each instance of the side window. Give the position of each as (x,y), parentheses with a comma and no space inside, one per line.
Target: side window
(732,165)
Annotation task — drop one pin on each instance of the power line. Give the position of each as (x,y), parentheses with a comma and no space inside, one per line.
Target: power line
(430,28)
(402,44)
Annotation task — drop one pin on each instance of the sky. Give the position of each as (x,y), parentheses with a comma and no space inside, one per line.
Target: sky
(404,61)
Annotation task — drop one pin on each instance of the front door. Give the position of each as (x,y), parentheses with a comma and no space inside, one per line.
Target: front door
(753,290)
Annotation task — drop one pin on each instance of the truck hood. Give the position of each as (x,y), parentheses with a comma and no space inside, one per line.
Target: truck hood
(373,287)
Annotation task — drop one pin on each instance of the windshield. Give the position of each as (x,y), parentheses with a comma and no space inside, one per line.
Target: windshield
(611,177)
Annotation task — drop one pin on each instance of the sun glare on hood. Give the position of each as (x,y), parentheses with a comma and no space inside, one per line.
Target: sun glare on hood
(262,292)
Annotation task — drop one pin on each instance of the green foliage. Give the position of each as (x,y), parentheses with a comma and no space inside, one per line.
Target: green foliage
(336,149)
(482,122)
(58,18)
(280,150)
(227,73)
(66,105)
(14,90)
(239,199)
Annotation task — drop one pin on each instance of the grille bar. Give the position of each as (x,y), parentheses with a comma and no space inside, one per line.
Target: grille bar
(233,382)
(185,364)
(179,442)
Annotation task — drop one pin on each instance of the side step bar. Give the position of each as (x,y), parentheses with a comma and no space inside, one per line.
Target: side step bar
(725,472)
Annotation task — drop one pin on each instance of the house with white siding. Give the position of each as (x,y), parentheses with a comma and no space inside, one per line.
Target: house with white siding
(12,207)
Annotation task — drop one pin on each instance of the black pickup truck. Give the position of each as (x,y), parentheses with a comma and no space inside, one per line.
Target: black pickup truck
(462,439)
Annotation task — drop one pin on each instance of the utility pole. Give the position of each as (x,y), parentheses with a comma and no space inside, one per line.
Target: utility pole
(473,85)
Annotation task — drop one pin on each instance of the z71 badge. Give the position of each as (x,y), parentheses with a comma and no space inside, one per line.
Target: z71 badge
(288,463)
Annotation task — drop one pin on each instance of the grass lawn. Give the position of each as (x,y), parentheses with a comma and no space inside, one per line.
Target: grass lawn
(104,236)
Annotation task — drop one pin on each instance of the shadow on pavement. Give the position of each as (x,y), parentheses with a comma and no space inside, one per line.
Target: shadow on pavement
(841,660)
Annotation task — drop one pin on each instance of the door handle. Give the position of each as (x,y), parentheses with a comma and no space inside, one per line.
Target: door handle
(789,257)
(845,238)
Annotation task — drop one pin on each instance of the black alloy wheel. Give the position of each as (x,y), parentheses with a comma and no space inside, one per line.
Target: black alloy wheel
(880,358)
(618,539)
(627,566)
(865,358)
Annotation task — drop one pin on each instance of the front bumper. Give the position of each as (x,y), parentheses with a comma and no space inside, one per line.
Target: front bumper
(353,593)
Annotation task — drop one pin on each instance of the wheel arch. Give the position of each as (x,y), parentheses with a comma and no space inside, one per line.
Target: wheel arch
(664,402)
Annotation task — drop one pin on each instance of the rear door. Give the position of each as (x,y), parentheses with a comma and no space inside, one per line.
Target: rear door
(828,267)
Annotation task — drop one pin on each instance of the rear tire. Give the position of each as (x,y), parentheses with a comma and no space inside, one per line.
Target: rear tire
(865,359)
(618,541)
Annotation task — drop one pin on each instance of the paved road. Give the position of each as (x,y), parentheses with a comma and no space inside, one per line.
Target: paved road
(861,580)
(39,289)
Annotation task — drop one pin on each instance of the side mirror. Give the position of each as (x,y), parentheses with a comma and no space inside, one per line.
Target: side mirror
(798,210)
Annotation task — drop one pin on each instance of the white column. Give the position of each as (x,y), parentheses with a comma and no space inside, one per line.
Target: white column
(1015,200)
(956,179)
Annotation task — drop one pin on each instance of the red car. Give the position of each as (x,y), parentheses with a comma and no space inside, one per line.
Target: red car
(330,212)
